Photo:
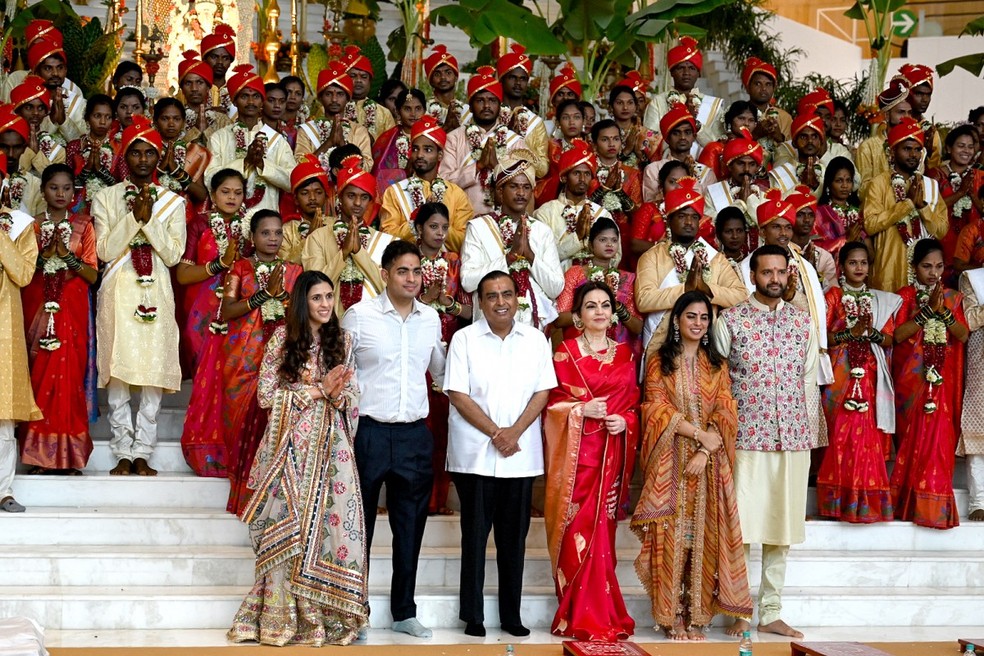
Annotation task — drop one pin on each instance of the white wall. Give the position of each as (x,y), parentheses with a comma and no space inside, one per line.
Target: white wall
(958,92)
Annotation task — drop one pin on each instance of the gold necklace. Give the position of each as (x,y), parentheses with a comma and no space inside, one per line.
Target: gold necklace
(606,356)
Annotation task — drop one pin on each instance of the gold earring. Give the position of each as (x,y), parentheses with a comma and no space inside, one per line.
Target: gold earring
(578,323)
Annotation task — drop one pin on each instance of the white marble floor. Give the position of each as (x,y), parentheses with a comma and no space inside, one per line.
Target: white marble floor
(216,638)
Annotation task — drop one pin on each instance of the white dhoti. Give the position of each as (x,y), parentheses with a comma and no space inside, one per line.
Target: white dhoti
(127,444)
(8,458)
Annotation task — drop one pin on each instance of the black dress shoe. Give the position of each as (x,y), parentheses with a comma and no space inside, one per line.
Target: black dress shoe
(517,630)
(476,629)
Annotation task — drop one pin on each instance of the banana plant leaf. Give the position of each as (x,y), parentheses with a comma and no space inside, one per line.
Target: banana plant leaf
(974,27)
(973,64)
(653,22)
(857,10)
(486,20)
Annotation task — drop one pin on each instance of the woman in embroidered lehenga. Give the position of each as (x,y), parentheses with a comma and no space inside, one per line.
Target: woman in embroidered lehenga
(692,562)
(58,341)
(305,518)
(441,289)
(928,370)
(254,299)
(211,249)
(852,484)
(391,151)
(591,433)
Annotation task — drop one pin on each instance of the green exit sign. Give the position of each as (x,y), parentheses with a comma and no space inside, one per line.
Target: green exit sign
(904,23)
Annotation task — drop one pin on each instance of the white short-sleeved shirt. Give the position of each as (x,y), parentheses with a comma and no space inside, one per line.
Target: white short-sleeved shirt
(501,376)
(392,356)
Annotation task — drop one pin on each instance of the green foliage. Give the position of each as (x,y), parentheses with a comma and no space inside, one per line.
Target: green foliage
(850,92)
(973,64)
(486,20)
(657,20)
(974,27)
(740,30)
(374,51)
(317,60)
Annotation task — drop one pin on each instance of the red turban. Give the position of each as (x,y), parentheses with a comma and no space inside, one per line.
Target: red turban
(337,74)
(352,173)
(515,58)
(40,28)
(141,130)
(809,103)
(686,195)
(222,36)
(439,55)
(895,94)
(579,153)
(308,168)
(42,49)
(566,77)
(11,122)
(353,58)
(428,127)
(686,51)
(917,74)
(676,115)
(773,207)
(192,65)
(807,121)
(634,80)
(801,198)
(742,146)
(485,79)
(32,88)
(908,128)
(244,77)
(755,65)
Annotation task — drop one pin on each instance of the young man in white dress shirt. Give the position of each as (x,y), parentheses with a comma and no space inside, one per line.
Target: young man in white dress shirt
(499,374)
(397,340)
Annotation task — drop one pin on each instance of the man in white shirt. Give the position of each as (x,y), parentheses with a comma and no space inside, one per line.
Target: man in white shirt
(397,340)
(499,374)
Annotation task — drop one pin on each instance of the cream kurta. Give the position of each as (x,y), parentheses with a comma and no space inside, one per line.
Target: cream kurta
(277,163)
(37,162)
(18,257)
(214,121)
(397,205)
(568,245)
(972,422)
(74,125)
(710,115)
(383,119)
(784,176)
(130,350)
(321,253)
(459,166)
(293,243)
(533,131)
(652,296)
(881,214)
(309,140)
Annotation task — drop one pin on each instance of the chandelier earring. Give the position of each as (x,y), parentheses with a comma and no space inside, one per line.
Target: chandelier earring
(676,332)
(703,340)
(578,324)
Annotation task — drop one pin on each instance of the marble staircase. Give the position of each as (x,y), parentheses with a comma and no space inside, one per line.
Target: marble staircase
(121,553)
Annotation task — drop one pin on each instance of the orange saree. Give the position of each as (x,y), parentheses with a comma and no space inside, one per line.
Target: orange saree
(691,539)
(585,470)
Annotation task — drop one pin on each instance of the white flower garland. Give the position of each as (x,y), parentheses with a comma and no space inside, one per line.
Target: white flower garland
(678,253)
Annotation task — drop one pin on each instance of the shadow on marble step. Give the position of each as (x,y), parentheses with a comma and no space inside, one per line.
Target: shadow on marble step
(178,399)
(99,489)
(155,608)
(170,423)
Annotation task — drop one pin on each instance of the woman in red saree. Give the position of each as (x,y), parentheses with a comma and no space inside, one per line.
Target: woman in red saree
(928,369)
(56,316)
(852,484)
(391,150)
(692,562)
(441,289)
(91,156)
(960,185)
(211,249)
(592,415)
(254,300)
(839,217)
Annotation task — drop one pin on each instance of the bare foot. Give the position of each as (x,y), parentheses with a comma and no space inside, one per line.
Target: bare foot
(677,632)
(122,468)
(977,516)
(141,468)
(444,510)
(739,627)
(780,628)
(536,512)
(695,634)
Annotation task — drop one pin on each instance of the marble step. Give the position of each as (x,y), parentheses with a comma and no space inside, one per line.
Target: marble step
(184,565)
(167,457)
(96,489)
(213,607)
(156,525)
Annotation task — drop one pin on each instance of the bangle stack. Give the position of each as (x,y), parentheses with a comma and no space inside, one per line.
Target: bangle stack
(258,299)
(946,316)
(215,267)
(73,262)
(622,313)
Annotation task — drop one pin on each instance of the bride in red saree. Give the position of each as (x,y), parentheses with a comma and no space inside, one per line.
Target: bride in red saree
(692,562)
(591,432)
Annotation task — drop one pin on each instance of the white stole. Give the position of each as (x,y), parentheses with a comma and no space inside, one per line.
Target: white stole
(19,221)
(313,133)
(720,195)
(160,211)
(885,305)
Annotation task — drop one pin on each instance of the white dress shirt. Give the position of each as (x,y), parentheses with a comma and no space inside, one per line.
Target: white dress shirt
(392,356)
(501,376)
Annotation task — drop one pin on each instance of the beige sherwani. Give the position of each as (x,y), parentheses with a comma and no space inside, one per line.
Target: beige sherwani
(129,350)
(74,125)
(293,243)
(277,163)
(657,287)
(18,256)
(568,245)
(872,158)
(31,200)
(321,253)
(535,135)
(37,162)
(309,140)
(383,120)
(459,165)
(881,214)
(397,205)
